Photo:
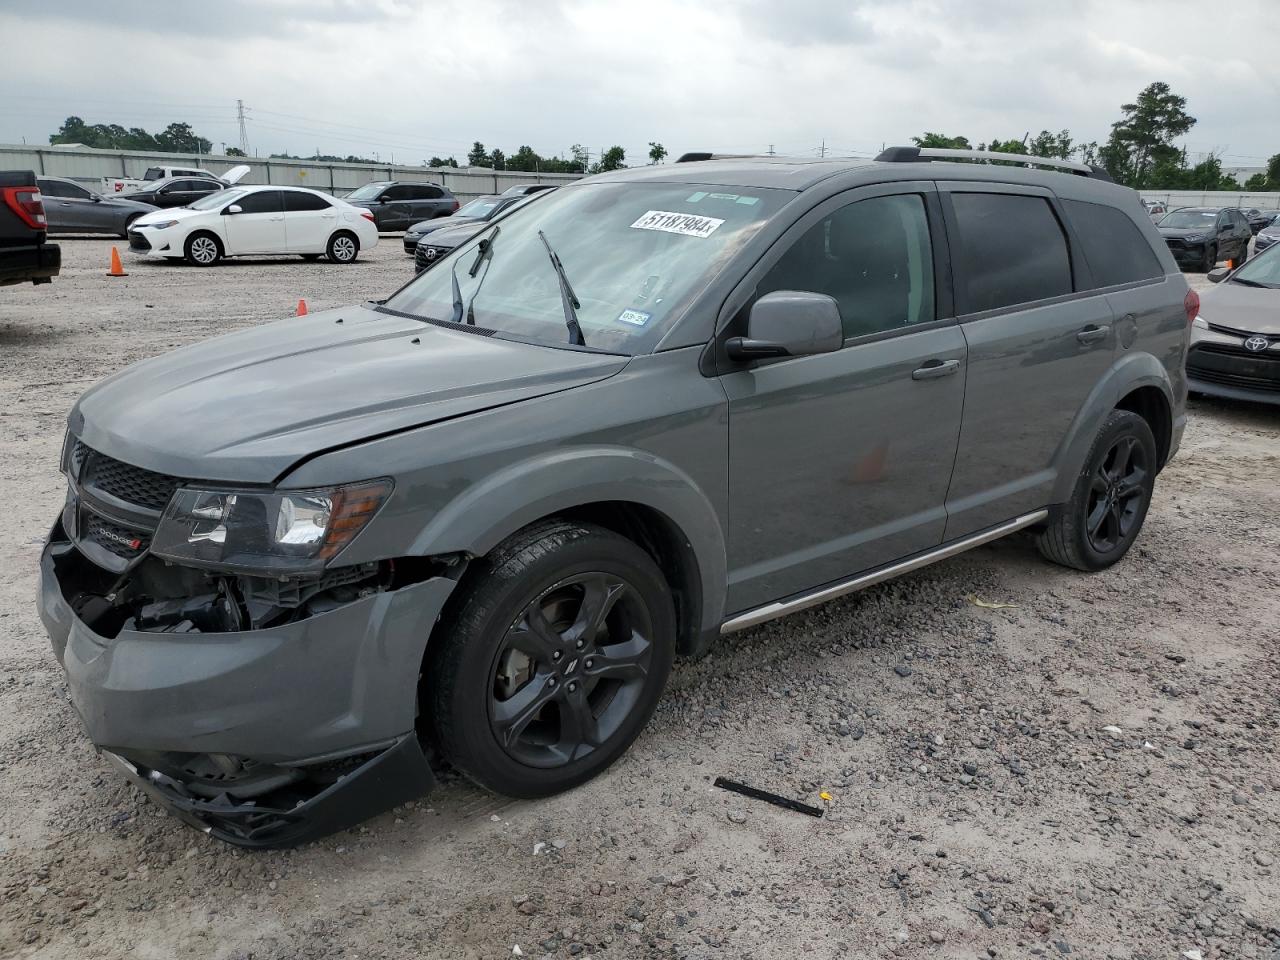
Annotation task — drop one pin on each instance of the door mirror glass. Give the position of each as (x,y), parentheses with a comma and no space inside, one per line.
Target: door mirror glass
(789,323)
(1218,274)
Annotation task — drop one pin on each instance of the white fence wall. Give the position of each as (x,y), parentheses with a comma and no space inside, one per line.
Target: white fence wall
(90,166)
(1213,198)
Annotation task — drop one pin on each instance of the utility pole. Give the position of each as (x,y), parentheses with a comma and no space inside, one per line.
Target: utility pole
(771,150)
(244,134)
(822,150)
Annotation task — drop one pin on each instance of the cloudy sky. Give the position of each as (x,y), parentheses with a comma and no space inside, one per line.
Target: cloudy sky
(412,79)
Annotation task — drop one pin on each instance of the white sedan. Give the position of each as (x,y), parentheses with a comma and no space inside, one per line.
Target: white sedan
(256,221)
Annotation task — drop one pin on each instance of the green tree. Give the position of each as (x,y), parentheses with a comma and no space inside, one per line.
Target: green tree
(234,152)
(180,138)
(1273,172)
(442,162)
(478,157)
(611,159)
(1258,183)
(1048,144)
(944,142)
(524,159)
(1142,140)
(657,152)
(498,159)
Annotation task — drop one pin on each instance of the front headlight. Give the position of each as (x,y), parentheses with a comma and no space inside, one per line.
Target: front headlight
(290,532)
(1197,238)
(161,225)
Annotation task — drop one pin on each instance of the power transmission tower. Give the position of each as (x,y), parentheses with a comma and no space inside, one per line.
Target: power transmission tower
(822,150)
(771,150)
(244,134)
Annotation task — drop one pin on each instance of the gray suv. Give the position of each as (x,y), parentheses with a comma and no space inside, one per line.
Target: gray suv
(475,523)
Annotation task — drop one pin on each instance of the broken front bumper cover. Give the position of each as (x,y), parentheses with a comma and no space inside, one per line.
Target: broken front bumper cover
(335,692)
(396,775)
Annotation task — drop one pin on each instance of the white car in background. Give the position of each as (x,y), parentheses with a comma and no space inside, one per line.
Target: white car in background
(256,221)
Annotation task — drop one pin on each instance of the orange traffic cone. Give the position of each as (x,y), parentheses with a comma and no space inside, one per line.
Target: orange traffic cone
(302,308)
(116,270)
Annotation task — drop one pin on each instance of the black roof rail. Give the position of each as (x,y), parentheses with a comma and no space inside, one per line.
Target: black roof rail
(698,156)
(927,154)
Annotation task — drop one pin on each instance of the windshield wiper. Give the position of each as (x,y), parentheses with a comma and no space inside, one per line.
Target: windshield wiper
(1249,283)
(463,311)
(568,300)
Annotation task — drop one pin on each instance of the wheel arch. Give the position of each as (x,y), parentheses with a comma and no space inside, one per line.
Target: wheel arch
(1137,382)
(636,495)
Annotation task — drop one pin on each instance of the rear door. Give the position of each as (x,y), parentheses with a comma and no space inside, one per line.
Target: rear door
(840,462)
(258,227)
(308,221)
(1036,347)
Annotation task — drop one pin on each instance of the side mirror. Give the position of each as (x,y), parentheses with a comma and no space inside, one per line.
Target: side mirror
(383,200)
(1218,274)
(234,208)
(789,323)
(95,198)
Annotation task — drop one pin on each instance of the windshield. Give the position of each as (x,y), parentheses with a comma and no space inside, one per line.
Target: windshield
(635,254)
(215,199)
(369,191)
(1263,270)
(480,207)
(1190,218)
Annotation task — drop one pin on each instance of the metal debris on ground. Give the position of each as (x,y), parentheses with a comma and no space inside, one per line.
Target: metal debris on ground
(767,797)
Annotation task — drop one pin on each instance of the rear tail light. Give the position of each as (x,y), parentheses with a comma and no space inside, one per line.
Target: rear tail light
(26,203)
(368,215)
(1191,304)
(456,205)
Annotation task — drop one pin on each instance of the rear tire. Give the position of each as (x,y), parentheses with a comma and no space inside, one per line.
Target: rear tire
(1098,525)
(203,249)
(530,688)
(343,247)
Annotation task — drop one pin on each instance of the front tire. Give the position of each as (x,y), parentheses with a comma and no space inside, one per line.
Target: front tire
(343,247)
(203,249)
(553,660)
(1210,259)
(128,224)
(1100,522)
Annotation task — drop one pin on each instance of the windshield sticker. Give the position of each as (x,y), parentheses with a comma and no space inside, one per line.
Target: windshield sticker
(637,318)
(695,197)
(685,224)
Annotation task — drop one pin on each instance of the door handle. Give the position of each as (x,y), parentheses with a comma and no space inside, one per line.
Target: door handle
(934,369)
(1094,332)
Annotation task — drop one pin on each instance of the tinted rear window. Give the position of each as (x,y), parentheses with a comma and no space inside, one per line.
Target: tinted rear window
(1115,248)
(295,200)
(1011,250)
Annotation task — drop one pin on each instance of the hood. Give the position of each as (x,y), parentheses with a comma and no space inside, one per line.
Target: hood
(439,223)
(173,213)
(245,407)
(235,174)
(1236,305)
(454,234)
(1179,232)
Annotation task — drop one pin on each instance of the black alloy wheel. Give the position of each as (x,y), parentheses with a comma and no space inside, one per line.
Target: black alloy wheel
(1117,494)
(570,670)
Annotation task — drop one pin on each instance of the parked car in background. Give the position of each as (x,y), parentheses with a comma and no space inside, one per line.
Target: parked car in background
(256,221)
(1155,208)
(1235,340)
(525,189)
(439,243)
(25,255)
(397,204)
(1267,236)
(1257,218)
(478,211)
(181,191)
(294,561)
(1200,237)
(130,184)
(72,208)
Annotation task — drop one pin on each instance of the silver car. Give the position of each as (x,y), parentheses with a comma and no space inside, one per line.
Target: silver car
(1235,339)
(71,208)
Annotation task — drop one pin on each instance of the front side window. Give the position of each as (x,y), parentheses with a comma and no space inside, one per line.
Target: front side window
(1114,247)
(212,200)
(635,254)
(262,201)
(873,257)
(1011,250)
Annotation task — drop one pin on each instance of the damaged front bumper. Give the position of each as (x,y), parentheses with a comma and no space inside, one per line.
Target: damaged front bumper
(263,737)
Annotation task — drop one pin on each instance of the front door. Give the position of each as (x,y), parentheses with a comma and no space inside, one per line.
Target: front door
(840,462)
(258,227)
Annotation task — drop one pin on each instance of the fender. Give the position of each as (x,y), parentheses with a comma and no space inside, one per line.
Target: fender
(1128,373)
(485,514)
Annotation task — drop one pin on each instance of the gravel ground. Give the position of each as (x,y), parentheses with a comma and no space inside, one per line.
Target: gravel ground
(1090,771)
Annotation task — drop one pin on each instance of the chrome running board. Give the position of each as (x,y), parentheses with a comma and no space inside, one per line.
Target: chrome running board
(780,608)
